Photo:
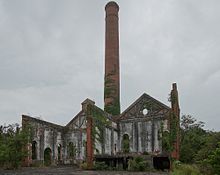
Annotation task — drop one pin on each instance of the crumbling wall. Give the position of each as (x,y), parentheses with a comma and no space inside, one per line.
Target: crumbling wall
(46,135)
(76,133)
(142,122)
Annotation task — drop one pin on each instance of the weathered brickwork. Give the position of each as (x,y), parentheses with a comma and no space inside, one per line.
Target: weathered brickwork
(94,131)
(112,72)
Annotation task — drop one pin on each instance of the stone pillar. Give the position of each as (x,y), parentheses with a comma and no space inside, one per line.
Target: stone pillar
(112,72)
(175,121)
(89,143)
(87,107)
(28,148)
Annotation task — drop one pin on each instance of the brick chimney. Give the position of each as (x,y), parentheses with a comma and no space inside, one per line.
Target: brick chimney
(175,117)
(112,72)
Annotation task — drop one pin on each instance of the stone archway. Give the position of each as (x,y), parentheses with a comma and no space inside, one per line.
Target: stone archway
(125,144)
(47,157)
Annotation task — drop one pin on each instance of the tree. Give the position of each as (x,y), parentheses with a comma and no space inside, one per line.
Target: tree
(213,160)
(208,156)
(12,143)
(189,122)
(192,138)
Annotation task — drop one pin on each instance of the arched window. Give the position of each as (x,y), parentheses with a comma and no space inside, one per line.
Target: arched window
(34,150)
(125,143)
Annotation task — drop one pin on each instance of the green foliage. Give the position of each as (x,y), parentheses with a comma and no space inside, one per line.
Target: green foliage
(168,138)
(199,146)
(192,141)
(109,91)
(13,142)
(113,108)
(145,153)
(125,144)
(47,157)
(100,166)
(137,164)
(211,139)
(214,160)
(184,169)
(193,138)
(188,122)
(100,122)
(166,142)
(72,150)
(84,166)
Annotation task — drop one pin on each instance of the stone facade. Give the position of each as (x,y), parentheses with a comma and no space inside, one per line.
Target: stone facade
(94,131)
(144,129)
(141,121)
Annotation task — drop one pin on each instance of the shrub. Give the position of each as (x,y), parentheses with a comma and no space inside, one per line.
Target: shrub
(100,166)
(213,160)
(145,153)
(183,169)
(84,166)
(137,164)
(13,143)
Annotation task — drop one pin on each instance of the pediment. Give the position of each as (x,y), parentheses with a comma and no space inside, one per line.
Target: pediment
(145,106)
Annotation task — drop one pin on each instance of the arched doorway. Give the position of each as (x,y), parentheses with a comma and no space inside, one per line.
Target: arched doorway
(34,150)
(59,152)
(71,150)
(47,157)
(125,143)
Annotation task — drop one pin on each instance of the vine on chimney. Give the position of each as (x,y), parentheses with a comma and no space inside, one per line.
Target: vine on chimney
(109,91)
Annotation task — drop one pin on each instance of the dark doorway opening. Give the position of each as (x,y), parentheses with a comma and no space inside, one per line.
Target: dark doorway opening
(47,157)
(34,150)
(161,163)
(59,152)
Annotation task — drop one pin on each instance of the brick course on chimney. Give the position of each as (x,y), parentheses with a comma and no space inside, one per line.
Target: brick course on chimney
(112,71)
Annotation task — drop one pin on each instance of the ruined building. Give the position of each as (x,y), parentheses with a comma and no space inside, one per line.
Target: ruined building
(95,133)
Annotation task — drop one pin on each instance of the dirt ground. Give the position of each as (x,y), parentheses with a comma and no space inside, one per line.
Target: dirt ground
(69,171)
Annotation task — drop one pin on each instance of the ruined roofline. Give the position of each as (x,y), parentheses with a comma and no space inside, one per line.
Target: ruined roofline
(136,101)
(74,118)
(91,102)
(29,118)
(106,114)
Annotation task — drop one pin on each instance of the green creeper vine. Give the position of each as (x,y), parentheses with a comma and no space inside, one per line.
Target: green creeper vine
(99,123)
(109,91)
(168,138)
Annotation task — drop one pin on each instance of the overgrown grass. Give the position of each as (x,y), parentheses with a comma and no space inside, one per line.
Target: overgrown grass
(138,164)
(184,169)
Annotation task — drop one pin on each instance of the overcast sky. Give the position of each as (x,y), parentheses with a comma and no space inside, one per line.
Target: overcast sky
(52,56)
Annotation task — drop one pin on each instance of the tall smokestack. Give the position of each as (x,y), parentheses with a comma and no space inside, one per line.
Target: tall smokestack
(112,72)
(175,121)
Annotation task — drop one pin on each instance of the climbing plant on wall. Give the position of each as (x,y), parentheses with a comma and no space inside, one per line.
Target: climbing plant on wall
(109,92)
(72,150)
(125,143)
(169,137)
(99,123)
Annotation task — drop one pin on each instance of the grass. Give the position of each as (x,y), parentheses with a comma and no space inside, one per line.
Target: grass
(184,169)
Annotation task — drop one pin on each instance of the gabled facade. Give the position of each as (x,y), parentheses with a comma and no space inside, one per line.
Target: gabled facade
(142,123)
(96,132)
